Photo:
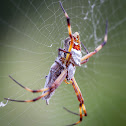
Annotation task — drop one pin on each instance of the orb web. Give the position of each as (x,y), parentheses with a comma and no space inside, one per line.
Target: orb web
(31,33)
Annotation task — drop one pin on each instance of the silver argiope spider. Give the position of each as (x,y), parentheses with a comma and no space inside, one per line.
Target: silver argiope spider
(63,69)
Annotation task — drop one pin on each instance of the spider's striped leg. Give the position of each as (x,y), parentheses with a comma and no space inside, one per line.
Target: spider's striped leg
(33,100)
(67,82)
(80,110)
(99,47)
(69,31)
(80,99)
(55,85)
(79,94)
(73,112)
(28,89)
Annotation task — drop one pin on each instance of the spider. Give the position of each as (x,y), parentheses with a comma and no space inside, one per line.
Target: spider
(63,69)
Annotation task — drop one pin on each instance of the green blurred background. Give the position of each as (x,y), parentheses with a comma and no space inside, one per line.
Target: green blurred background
(31,31)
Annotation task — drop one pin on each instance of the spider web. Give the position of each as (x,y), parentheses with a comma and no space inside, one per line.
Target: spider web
(32,31)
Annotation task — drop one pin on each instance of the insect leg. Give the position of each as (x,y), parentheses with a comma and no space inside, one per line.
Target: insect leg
(63,51)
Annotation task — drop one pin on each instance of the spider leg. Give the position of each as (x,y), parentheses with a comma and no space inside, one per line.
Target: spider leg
(99,47)
(79,94)
(65,80)
(28,89)
(69,31)
(55,85)
(33,100)
(80,110)
(72,112)
(80,99)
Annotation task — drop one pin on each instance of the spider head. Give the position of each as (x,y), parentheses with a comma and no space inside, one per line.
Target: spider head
(76,37)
